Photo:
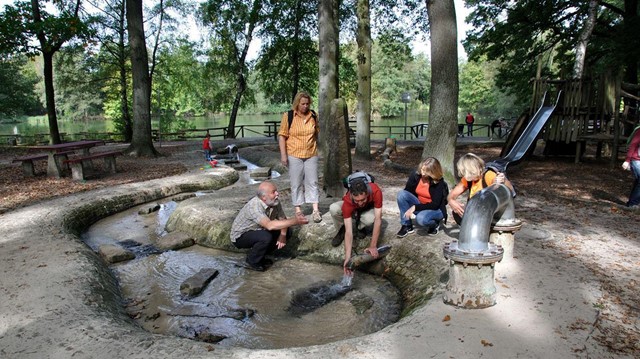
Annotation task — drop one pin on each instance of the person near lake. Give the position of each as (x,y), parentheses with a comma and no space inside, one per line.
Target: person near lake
(499,125)
(360,208)
(632,163)
(473,177)
(298,142)
(262,226)
(206,147)
(469,120)
(424,198)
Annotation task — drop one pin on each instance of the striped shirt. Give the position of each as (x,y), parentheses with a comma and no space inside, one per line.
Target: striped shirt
(301,138)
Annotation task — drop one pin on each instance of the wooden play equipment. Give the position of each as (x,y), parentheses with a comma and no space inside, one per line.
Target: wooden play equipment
(599,111)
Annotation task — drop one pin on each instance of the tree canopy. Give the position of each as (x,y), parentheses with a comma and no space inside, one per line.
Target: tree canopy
(523,33)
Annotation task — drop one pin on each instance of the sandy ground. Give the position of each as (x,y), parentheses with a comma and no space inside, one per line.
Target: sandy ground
(570,290)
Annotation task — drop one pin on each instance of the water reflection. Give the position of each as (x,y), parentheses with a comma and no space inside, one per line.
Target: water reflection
(238,307)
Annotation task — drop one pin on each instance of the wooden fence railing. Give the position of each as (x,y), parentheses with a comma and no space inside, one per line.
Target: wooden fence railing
(268,129)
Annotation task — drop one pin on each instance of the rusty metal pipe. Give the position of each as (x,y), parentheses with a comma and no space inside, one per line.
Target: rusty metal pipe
(493,201)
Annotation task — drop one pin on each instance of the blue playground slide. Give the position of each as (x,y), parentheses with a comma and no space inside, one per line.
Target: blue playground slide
(527,137)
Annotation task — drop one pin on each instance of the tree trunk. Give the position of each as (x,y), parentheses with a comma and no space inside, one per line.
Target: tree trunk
(122,64)
(141,142)
(241,88)
(443,108)
(337,162)
(124,104)
(54,133)
(295,61)
(328,41)
(241,82)
(47,55)
(581,47)
(631,68)
(363,109)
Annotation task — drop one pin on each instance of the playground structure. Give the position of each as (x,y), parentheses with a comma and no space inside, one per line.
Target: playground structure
(600,110)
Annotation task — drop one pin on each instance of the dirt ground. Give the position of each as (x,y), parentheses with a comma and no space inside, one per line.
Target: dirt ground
(584,201)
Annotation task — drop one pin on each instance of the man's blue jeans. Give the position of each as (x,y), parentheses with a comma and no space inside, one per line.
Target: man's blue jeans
(426,218)
(634,197)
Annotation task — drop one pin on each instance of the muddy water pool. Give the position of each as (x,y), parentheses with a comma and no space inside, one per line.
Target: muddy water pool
(238,307)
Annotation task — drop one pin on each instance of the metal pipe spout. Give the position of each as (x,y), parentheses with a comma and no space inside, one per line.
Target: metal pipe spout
(490,205)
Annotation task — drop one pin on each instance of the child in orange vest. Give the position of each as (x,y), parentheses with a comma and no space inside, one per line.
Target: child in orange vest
(474,177)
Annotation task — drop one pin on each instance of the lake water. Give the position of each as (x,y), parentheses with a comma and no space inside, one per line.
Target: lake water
(34,126)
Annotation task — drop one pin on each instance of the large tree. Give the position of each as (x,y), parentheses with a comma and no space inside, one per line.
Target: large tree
(115,69)
(443,109)
(363,110)
(233,24)
(27,21)
(520,33)
(141,142)
(328,37)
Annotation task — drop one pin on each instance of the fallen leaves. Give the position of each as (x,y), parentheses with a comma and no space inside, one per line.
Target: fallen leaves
(16,190)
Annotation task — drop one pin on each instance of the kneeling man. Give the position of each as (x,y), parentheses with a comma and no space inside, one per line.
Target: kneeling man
(362,202)
(262,226)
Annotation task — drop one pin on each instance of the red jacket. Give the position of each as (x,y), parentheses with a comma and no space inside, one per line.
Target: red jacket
(634,148)
(470,118)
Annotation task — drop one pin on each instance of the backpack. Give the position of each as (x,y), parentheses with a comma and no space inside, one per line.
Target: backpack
(489,167)
(290,116)
(356,176)
(484,181)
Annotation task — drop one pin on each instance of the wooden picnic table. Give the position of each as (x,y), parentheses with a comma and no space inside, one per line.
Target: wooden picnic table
(55,152)
(272,129)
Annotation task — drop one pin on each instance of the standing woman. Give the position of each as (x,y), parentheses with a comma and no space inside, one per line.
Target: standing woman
(298,139)
(424,195)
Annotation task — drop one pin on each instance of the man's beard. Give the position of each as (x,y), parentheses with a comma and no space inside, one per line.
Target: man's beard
(272,203)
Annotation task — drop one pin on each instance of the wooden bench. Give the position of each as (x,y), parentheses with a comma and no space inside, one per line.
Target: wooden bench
(27,161)
(272,129)
(79,164)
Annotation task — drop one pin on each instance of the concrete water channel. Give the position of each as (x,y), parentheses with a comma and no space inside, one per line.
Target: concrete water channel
(60,300)
(238,307)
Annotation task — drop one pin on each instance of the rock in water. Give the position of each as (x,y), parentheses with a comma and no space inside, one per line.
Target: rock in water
(306,300)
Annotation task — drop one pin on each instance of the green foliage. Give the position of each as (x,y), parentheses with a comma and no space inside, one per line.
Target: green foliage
(78,94)
(180,85)
(421,67)
(220,71)
(288,60)
(19,33)
(109,72)
(522,33)
(276,74)
(476,89)
(391,73)
(17,95)
(232,24)
(113,112)
(481,95)
(348,74)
